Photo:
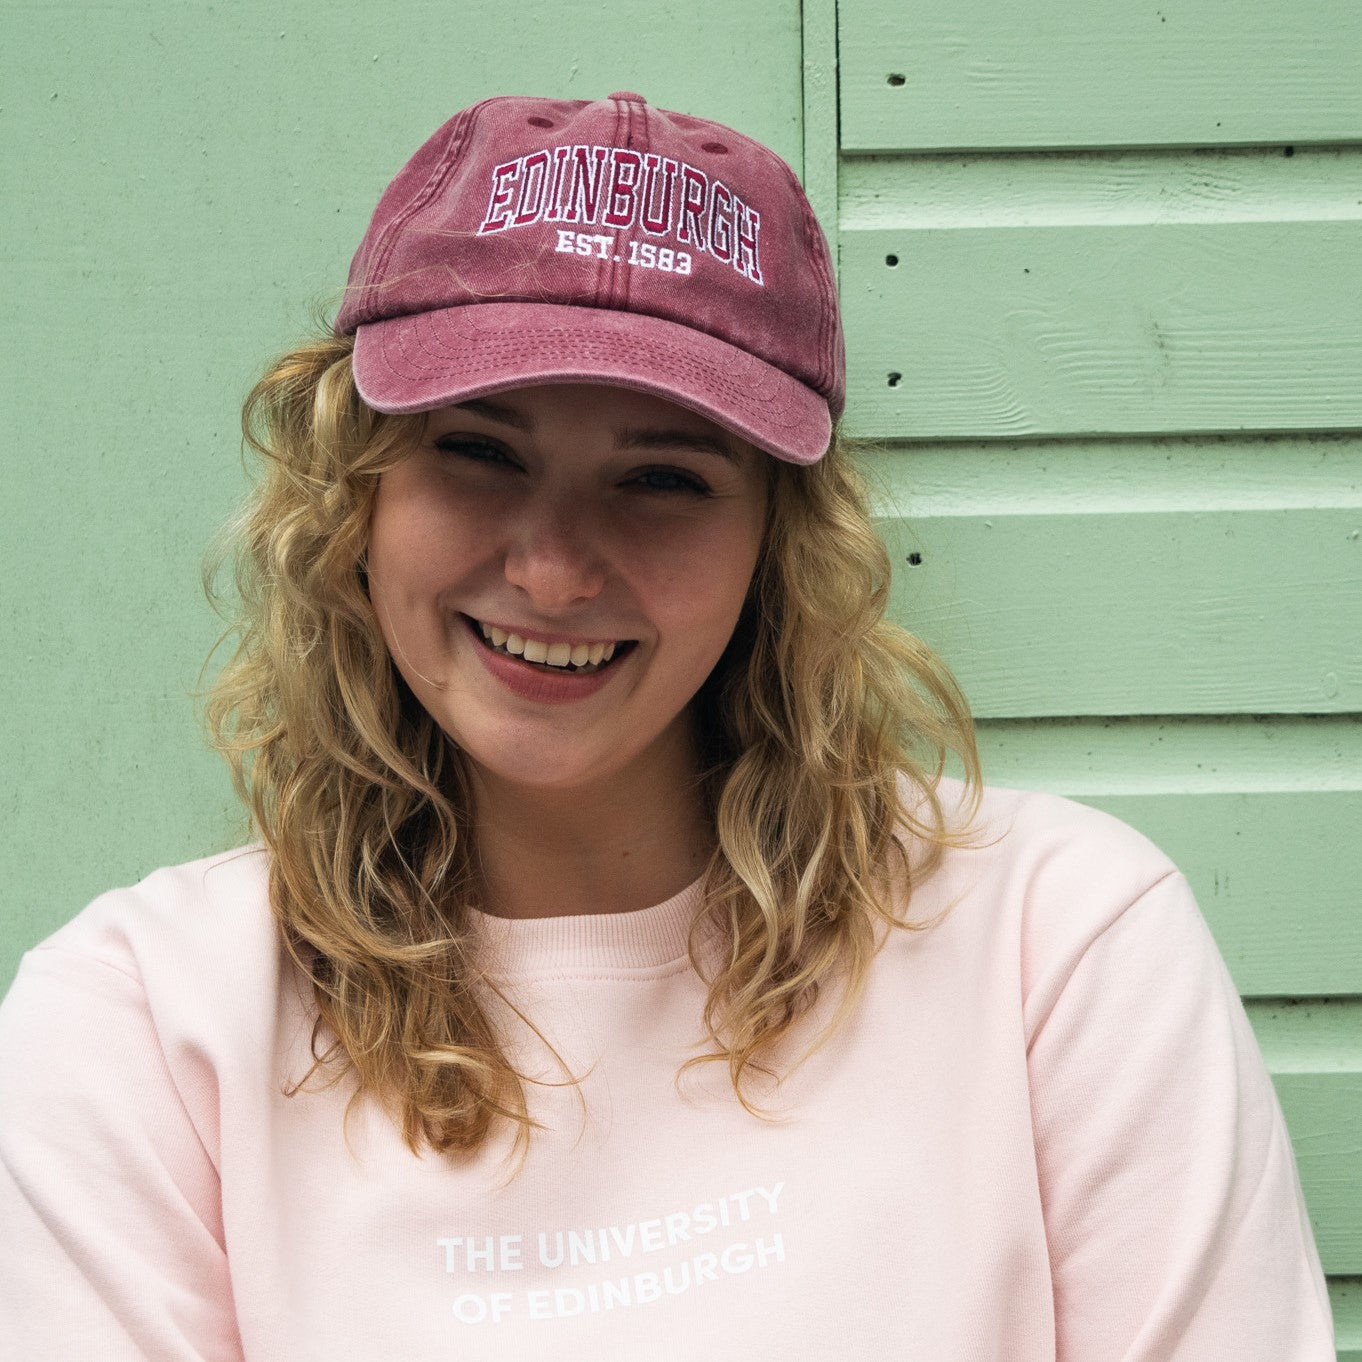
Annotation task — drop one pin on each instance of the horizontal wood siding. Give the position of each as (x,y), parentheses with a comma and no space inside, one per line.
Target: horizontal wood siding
(1058,73)
(1139,613)
(1101,275)
(1002,330)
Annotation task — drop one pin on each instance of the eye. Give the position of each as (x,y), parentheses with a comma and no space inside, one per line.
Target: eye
(472,448)
(672,480)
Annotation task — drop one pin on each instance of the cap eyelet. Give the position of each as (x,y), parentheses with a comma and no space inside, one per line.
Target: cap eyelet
(537,122)
(717,148)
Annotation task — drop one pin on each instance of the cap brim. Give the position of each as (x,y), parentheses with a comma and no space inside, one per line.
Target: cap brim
(430,359)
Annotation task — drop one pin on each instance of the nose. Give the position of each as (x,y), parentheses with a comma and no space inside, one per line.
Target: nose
(551,556)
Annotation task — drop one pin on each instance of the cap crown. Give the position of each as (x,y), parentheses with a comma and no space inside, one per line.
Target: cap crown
(607,204)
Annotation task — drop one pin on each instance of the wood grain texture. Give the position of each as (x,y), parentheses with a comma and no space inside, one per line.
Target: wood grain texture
(1138,613)
(1066,73)
(1001,331)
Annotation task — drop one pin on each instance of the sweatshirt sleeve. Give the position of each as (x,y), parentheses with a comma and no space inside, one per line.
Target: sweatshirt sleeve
(1176,1226)
(112,1245)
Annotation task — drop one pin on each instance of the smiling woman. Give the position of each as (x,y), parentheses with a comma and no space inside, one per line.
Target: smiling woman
(534,517)
(603,821)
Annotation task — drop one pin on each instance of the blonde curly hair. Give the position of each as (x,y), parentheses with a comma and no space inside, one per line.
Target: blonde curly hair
(818,717)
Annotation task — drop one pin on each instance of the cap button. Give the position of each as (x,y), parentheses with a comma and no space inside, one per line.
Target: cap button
(630,96)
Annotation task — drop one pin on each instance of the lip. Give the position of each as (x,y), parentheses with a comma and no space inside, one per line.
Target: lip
(533,634)
(527,681)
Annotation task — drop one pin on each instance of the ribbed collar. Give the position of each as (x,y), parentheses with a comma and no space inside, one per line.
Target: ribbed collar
(643,938)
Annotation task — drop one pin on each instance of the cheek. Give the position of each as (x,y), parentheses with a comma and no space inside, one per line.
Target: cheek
(700,589)
(415,541)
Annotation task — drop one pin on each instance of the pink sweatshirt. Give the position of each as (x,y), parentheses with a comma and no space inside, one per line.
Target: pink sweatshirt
(1046,1134)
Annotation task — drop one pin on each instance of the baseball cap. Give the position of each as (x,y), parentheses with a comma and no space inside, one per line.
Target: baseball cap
(535,240)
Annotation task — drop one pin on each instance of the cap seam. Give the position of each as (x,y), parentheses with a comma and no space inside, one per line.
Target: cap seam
(444,167)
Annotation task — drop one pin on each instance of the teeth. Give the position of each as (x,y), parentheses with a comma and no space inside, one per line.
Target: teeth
(551,654)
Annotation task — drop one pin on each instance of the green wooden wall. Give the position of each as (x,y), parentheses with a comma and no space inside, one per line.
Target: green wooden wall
(1102,274)
(1100,271)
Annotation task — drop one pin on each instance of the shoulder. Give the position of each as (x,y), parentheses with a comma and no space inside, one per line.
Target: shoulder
(194,911)
(1042,878)
(188,943)
(1052,846)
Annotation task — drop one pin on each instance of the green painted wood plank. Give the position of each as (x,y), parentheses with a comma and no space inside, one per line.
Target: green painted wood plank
(1324,1115)
(1226,754)
(1308,1035)
(1001,331)
(1178,473)
(1065,73)
(1147,613)
(1345,1298)
(1277,876)
(1029,188)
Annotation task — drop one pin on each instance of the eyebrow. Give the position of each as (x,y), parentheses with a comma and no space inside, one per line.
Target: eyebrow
(627,437)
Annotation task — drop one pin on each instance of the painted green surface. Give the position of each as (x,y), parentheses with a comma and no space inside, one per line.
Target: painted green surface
(1179,473)
(1147,613)
(1149,184)
(1121,756)
(1062,73)
(1002,330)
(182,184)
(1345,1296)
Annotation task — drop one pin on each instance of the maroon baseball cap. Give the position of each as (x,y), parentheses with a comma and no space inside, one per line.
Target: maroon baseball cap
(563,241)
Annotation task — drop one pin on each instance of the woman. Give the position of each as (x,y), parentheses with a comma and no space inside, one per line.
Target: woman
(618,974)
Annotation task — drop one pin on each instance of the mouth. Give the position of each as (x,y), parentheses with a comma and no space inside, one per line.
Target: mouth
(573,659)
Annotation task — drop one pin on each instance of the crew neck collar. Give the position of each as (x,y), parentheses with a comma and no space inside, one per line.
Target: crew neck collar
(640,939)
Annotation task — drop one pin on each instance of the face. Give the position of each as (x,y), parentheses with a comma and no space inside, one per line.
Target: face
(598,527)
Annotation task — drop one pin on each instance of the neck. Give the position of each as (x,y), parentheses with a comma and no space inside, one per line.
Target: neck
(626,842)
